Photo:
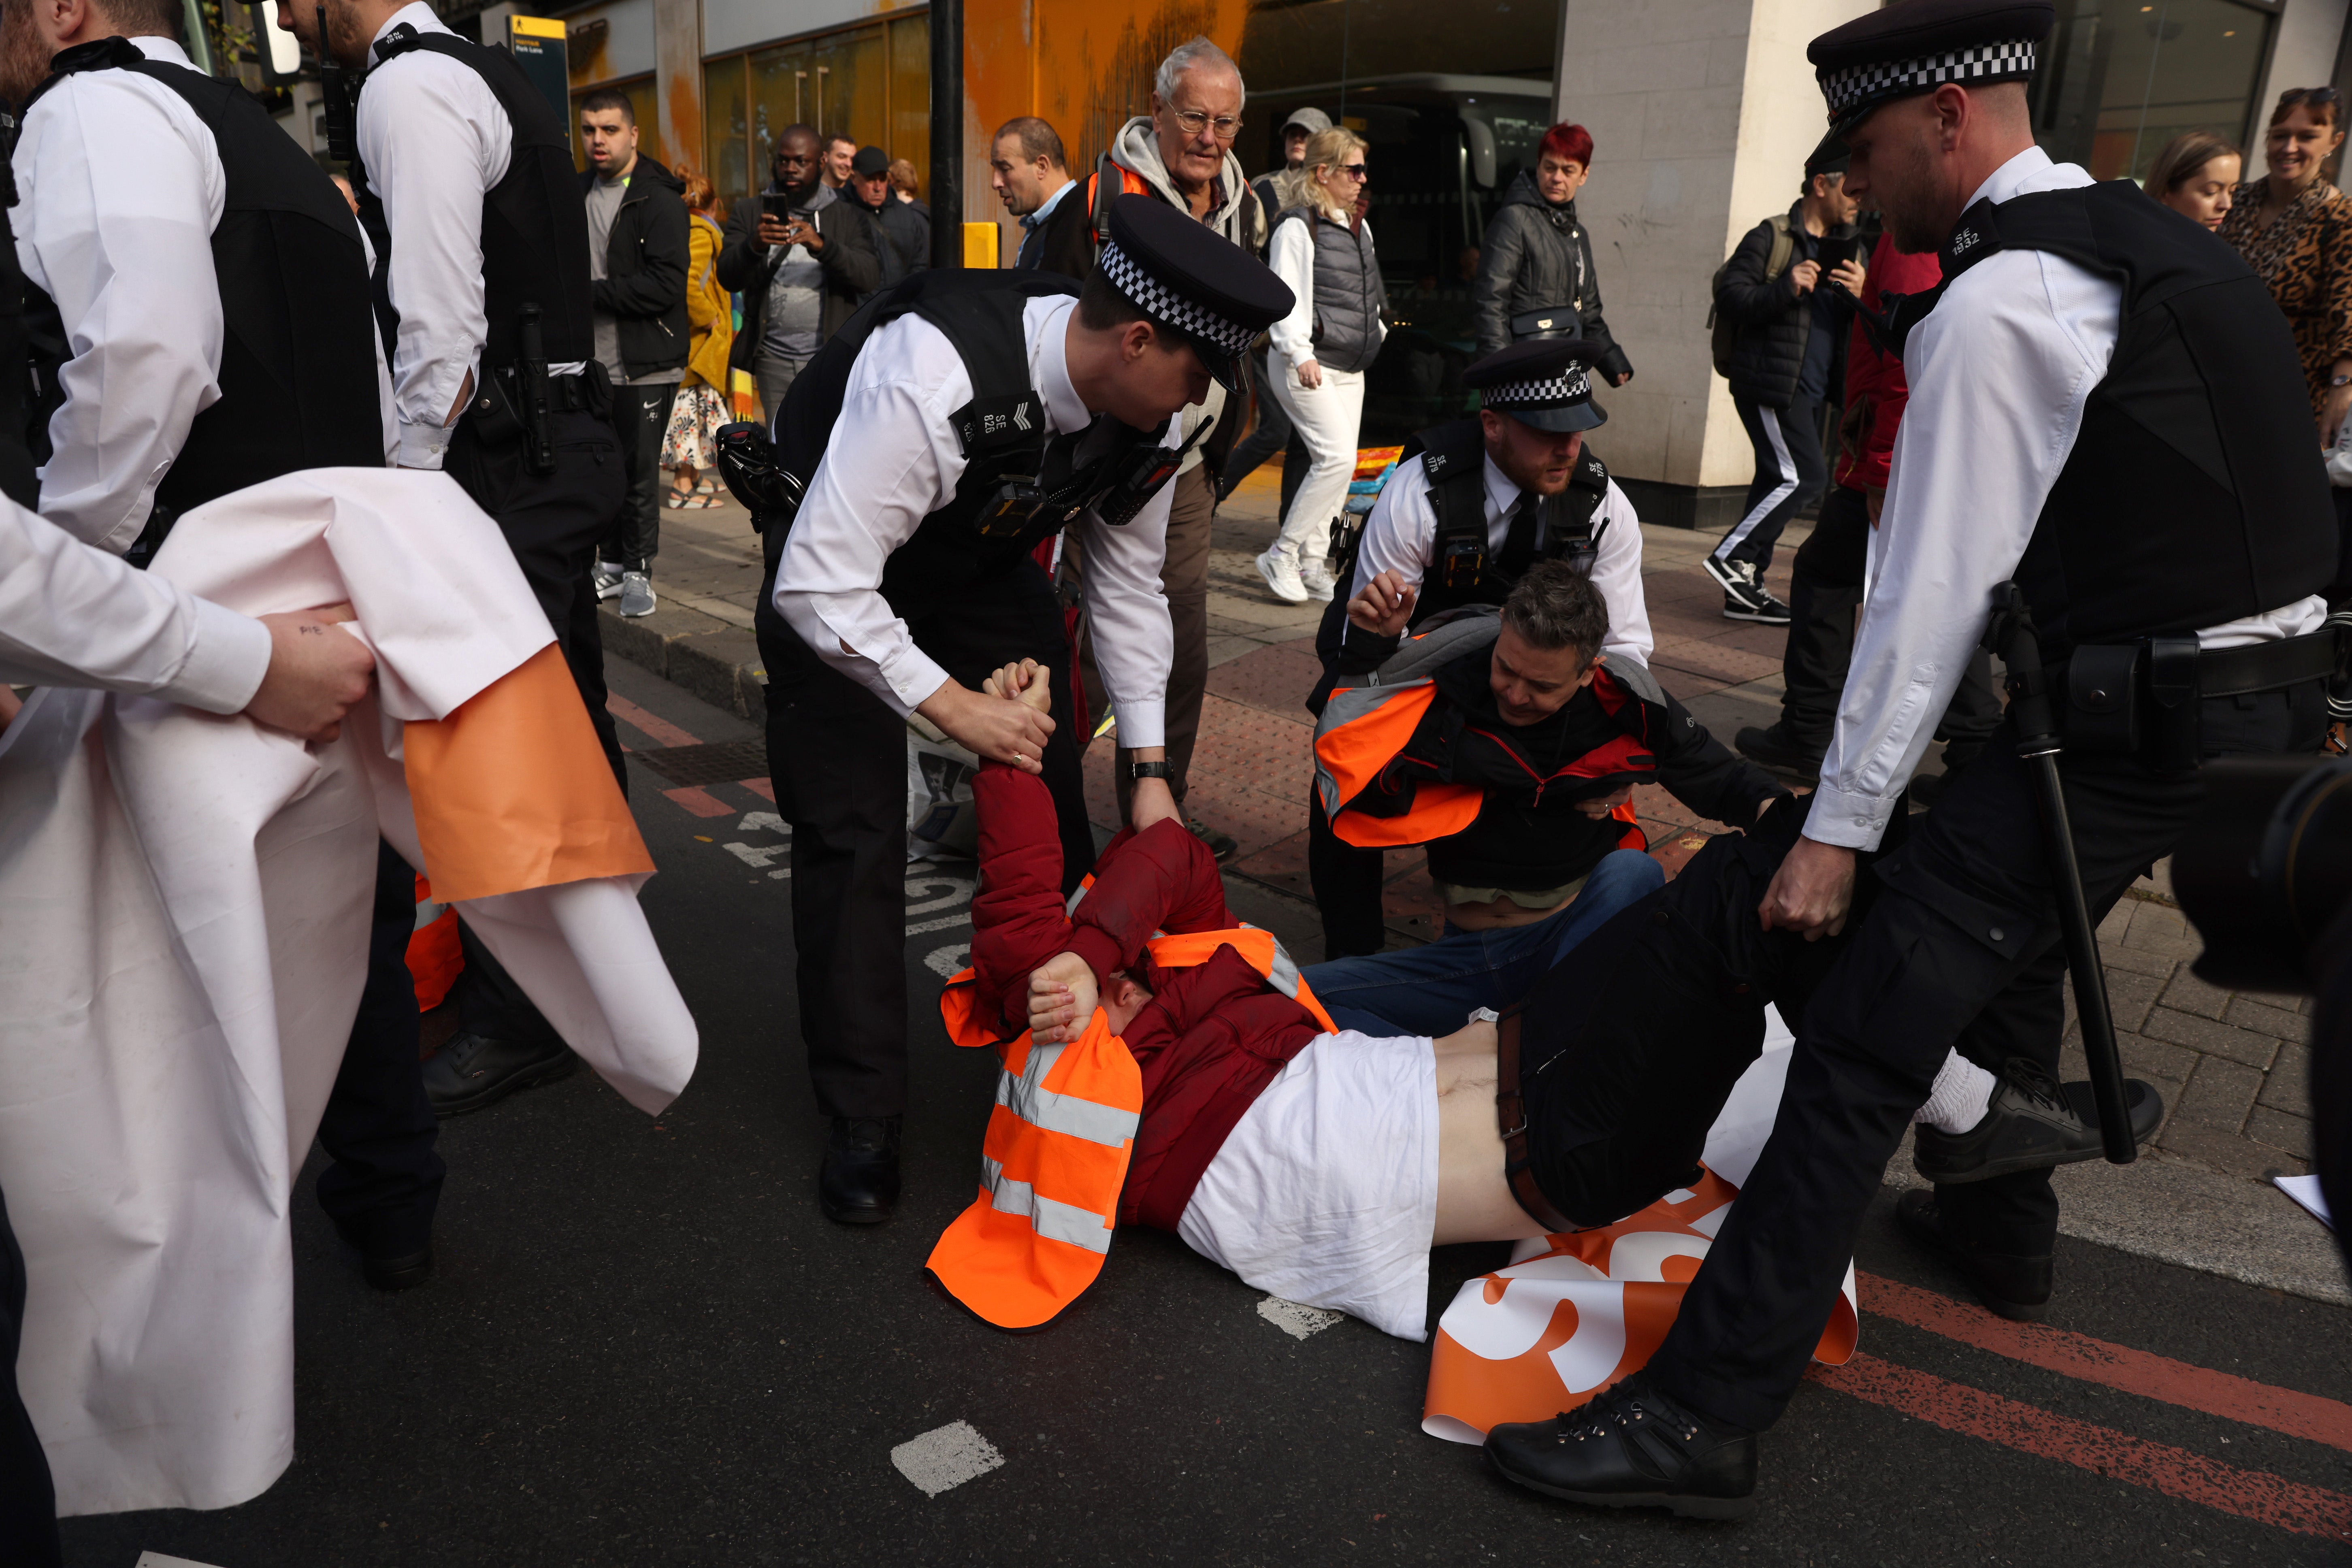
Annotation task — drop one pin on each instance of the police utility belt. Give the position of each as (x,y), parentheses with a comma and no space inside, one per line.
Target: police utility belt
(2142,699)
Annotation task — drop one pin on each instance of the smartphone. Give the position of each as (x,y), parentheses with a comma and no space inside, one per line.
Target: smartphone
(776,206)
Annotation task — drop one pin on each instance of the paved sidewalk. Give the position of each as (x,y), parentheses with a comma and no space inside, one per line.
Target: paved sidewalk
(2232,1068)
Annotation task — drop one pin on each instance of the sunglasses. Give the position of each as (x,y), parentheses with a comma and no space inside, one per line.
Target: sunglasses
(1355,172)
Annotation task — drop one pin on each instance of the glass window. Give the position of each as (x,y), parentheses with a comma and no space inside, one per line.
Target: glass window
(2124,79)
(853,86)
(726,127)
(783,93)
(910,94)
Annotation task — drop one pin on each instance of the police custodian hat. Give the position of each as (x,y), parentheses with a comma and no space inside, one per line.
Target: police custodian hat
(1542,382)
(1915,46)
(1183,274)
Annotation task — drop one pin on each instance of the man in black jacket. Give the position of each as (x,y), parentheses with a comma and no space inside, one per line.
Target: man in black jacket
(1518,705)
(1790,319)
(905,234)
(1537,260)
(636,259)
(802,259)
(1030,175)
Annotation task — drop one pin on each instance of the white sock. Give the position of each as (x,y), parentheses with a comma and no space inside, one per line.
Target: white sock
(1962,1095)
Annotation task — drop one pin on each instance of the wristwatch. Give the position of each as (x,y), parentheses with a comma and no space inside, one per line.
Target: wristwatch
(1150,770)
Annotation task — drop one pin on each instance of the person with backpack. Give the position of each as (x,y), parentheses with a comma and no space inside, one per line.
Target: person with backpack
(1781,305)
(980,412)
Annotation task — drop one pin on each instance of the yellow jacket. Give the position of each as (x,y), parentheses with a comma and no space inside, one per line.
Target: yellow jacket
(709,308)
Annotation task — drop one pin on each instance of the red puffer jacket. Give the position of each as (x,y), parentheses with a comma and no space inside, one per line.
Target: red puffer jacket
(1874,388)
(1213,1035)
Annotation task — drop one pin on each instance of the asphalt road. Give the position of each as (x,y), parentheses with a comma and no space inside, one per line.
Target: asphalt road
(644,1346)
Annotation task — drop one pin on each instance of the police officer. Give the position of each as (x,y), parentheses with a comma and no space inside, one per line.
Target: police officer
(979,413)
(172,234)
(1473,504)
(466,185)
(2105,408)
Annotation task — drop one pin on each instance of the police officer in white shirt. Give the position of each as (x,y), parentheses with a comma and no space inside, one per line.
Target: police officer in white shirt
(2106,409)
(978,413)
(1470,505)
(466,187)
(172,234)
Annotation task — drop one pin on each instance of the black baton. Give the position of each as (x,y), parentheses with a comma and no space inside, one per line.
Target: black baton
(2010,634)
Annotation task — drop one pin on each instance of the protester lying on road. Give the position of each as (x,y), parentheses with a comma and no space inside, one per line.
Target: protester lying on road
(1508,746)
(1318,1163)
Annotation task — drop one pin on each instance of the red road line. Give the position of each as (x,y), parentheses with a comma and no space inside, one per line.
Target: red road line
(656,729)
(700,802)
(2175,1472)
(760,787)
(2304,1416)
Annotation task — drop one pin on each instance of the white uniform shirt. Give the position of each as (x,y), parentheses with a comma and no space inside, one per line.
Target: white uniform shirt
(1999,371)
(433,140)
(121,187)
(1401,533)
(895,459)
(73,616)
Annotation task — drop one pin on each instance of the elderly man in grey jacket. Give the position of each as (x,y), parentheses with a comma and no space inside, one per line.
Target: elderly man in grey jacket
(1183,154)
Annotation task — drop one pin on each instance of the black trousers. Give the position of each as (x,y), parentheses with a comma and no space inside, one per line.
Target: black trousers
(554,523)
(640,419)
(1789,472)
(1959,949)
(378,1128)
(1347,883)
(1824,596)
(28,1503)
(837,757)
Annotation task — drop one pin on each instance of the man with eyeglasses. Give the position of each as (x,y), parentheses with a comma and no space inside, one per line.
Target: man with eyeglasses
(1183,154)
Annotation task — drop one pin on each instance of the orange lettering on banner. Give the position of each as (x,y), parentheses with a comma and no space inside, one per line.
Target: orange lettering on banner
(513,790)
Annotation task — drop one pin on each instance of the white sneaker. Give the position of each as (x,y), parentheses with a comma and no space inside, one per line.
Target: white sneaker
(608,579)
(636,594)
(1319,581)
(1281,575)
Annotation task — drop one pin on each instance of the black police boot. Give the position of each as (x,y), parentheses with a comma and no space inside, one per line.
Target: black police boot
(396,1251)
(1221,845)
(1630,1447)
(2032,1122)
(474,1071)
(858,1183)
(1782,751)
(2016,1287)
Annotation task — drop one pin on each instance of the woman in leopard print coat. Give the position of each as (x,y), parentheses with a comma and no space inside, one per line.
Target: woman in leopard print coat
(2296,230)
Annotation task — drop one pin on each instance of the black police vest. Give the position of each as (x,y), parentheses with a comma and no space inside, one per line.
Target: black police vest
(297,372)
(2194,494)
(1018,488)
(17,481)
(1464,569)
(534,220)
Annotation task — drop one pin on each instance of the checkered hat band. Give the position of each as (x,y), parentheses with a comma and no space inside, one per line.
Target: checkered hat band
(1851,88)
(1552,389)
(1156,302)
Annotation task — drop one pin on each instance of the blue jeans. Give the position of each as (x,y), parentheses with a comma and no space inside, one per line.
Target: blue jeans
(1431,990)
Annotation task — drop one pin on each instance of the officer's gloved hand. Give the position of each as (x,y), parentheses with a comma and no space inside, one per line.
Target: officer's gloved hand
(748,464)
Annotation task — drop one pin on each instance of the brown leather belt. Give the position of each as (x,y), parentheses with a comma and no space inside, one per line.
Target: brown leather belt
(1511,1121)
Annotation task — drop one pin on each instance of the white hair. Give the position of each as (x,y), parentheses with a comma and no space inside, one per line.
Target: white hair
(1191,54)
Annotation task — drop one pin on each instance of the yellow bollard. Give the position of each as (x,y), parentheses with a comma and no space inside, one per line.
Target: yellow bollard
(980,246)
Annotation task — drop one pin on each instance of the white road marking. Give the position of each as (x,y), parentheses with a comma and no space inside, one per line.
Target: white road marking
(946,1457)
(764,822)
(959,891)
(762,857)
(157,1560)
(945,962)
(1296,1319)
(941,923)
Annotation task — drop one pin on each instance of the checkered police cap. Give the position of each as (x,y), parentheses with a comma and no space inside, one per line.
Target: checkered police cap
(1185,276)
(1542,382)
(1917,45)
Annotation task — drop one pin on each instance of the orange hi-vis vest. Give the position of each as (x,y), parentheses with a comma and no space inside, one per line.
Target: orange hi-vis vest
(1363,728)
(1059,1143)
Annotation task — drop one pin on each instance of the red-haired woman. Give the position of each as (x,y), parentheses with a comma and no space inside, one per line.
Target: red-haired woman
(1535,271)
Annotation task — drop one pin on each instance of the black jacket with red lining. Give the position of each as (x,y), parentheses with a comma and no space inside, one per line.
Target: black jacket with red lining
(1528,834)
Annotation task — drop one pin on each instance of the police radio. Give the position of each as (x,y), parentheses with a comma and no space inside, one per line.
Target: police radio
(338,97)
